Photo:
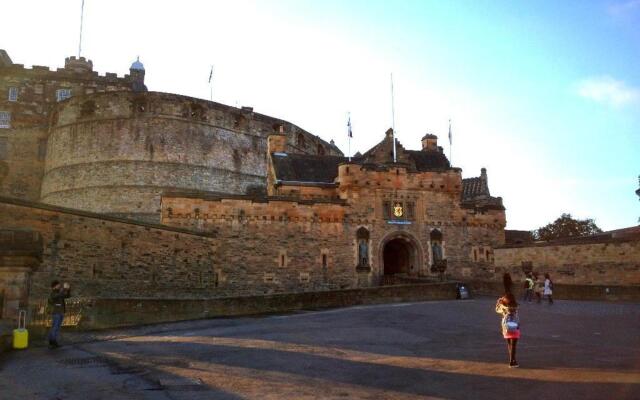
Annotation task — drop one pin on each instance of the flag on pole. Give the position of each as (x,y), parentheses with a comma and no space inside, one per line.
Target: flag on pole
(350,133)
(450,137)
(211,74)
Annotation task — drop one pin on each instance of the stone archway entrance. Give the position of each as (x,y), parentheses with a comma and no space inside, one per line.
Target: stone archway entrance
(396,257)
(399,255)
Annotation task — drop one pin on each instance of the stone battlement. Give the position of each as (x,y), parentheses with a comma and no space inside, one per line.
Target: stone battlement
(49,74)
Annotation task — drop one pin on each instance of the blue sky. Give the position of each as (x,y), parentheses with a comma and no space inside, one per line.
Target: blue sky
(545,94)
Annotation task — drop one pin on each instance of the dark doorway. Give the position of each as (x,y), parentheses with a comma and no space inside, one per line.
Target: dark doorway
(397,257)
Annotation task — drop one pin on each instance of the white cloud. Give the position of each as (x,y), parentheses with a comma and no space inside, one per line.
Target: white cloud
(607,90)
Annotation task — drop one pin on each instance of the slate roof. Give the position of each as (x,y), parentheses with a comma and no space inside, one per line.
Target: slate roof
(474,187)
(429,160)
(306,168)
(514,237)
(5,60)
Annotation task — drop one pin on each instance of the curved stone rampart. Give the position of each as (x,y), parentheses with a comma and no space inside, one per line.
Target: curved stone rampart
(117,152)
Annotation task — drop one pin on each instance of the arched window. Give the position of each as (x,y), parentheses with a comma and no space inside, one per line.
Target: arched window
(300,140)
(320,150)
(362,236)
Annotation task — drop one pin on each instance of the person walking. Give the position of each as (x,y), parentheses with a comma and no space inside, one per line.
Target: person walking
(538,288)
(548,288)
(528,288)
(58,307)
(510,324)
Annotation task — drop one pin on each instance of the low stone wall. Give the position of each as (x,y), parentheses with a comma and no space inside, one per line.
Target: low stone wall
(113,313)
(598,261)
(562,292)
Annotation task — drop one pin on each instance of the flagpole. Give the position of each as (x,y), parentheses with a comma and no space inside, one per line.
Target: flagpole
(349,135)
(450,143)
(81,21)
(211,85)
(393,121)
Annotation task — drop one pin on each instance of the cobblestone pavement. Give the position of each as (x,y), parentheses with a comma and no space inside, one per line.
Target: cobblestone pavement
(440,349)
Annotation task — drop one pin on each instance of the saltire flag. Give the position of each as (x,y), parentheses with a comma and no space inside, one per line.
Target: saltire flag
(350,133)
(450,137)
(211,74)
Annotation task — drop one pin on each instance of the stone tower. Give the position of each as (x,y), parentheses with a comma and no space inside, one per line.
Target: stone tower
(136,74)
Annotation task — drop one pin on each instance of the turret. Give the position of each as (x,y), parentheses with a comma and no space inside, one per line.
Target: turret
(484,180)
(429,142)
(80,65)
(136,74)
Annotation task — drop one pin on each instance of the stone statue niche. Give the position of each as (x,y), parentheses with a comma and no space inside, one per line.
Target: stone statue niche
(362,236)
(438,263)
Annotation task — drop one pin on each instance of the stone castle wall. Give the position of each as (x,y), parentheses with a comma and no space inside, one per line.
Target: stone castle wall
(116,153)
(24,142)
(106,257)
(276,246)
(22,154)
(611,262)
(304,229)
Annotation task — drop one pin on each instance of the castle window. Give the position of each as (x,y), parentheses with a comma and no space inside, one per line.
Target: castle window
(320,150)
(63,94)
(216,279)
(386,210)
(5,119)
(13,94)
(324,261)
(300,140)
(42,149)
(4,148)
(411,214)
(282,258)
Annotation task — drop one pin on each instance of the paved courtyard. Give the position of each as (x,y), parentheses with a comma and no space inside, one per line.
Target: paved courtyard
(441,349)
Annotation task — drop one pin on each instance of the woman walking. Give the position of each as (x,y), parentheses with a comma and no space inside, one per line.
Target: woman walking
(548,288)
(508,308)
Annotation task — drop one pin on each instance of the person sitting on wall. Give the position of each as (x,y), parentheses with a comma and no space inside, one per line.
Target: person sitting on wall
(58,307)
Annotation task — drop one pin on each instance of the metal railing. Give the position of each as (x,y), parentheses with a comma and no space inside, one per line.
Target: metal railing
(40,314)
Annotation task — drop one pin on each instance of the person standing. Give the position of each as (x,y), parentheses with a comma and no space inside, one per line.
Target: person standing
(548,288)
(58,307)
(538,288)
(508,308)
(528,288)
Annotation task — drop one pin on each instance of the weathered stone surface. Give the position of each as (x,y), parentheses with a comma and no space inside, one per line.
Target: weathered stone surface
(611,262)
(112,148)
(314,227)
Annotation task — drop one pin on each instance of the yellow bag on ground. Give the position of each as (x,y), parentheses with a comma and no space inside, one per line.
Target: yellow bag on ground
(21,335)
